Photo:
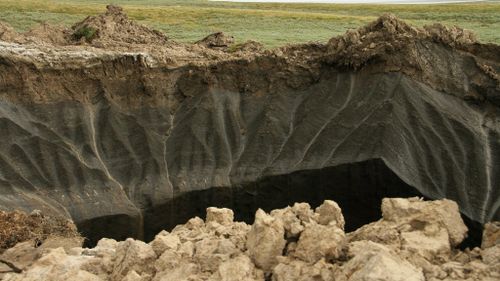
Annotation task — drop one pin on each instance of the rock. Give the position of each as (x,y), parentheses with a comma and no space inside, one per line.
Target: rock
(265,240)
(491,255)
(132,255)
(418,213)
(183,272)
(164,241)
(291,269)
(330,212)
(230,251)
(320,242)
(428,245)
(373,261)
(382,232)
(491,235)
(105,252)
(170,259)
(133,276)
(238,268)
(303,211)
(210,253)
(56,266)
(292,224)
(24,254)
(222,216)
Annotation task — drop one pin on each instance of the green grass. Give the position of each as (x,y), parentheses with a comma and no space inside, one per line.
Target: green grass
(271,24)
(85,32)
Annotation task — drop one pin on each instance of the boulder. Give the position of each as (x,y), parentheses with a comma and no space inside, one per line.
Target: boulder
(220,215)
(372,261)
(491,235)
(417,213)
(164,241)
(266,240)
(239,268)
(132,255)
(330,212)
(318,241)
(293,269)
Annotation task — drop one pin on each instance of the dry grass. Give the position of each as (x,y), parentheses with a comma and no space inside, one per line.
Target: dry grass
(17,227)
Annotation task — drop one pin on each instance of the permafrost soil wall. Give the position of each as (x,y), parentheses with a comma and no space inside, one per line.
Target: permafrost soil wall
(110,135)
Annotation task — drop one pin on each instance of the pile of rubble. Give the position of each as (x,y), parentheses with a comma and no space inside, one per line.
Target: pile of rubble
(382,38)
(415,240)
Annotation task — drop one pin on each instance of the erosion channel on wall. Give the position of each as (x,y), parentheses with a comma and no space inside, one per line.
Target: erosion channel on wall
(130,132)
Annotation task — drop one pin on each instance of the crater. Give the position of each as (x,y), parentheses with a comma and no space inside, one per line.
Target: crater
(358,188)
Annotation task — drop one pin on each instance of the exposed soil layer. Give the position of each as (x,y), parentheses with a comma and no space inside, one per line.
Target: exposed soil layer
(386,45)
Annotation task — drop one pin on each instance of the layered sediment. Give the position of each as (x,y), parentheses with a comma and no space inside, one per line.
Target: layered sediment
(111,130)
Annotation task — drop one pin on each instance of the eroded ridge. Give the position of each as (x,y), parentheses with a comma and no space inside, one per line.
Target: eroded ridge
(415,240)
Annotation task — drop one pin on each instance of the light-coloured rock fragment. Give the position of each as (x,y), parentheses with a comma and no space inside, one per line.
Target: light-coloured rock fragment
(239,268)
(291,222)
(426,244)
(443,212)
(164,241)
(132,255)
(330,212)
(319,241)
(373,261)
(220,215)
(105,251)
(133,276)
(381,231)
(210,253)
(265,240)
(491,255)
(491,235)
(56,265)
(303,211)
(183,272)
(292,269)
(24,254)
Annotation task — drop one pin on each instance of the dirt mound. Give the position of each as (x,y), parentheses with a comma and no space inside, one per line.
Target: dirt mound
(114,28)
(248,46)
(453,36)
(7,33)
(218,40)
(415,241)
(47,33)
(18,227)
(388,35)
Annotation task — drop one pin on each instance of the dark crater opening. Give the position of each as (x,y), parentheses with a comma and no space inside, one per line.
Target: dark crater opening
(119,227)
(357,187)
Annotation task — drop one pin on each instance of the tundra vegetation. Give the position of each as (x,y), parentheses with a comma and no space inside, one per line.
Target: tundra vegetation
(273,24)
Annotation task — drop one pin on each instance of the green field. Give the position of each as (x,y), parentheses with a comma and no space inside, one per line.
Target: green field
(271,24)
